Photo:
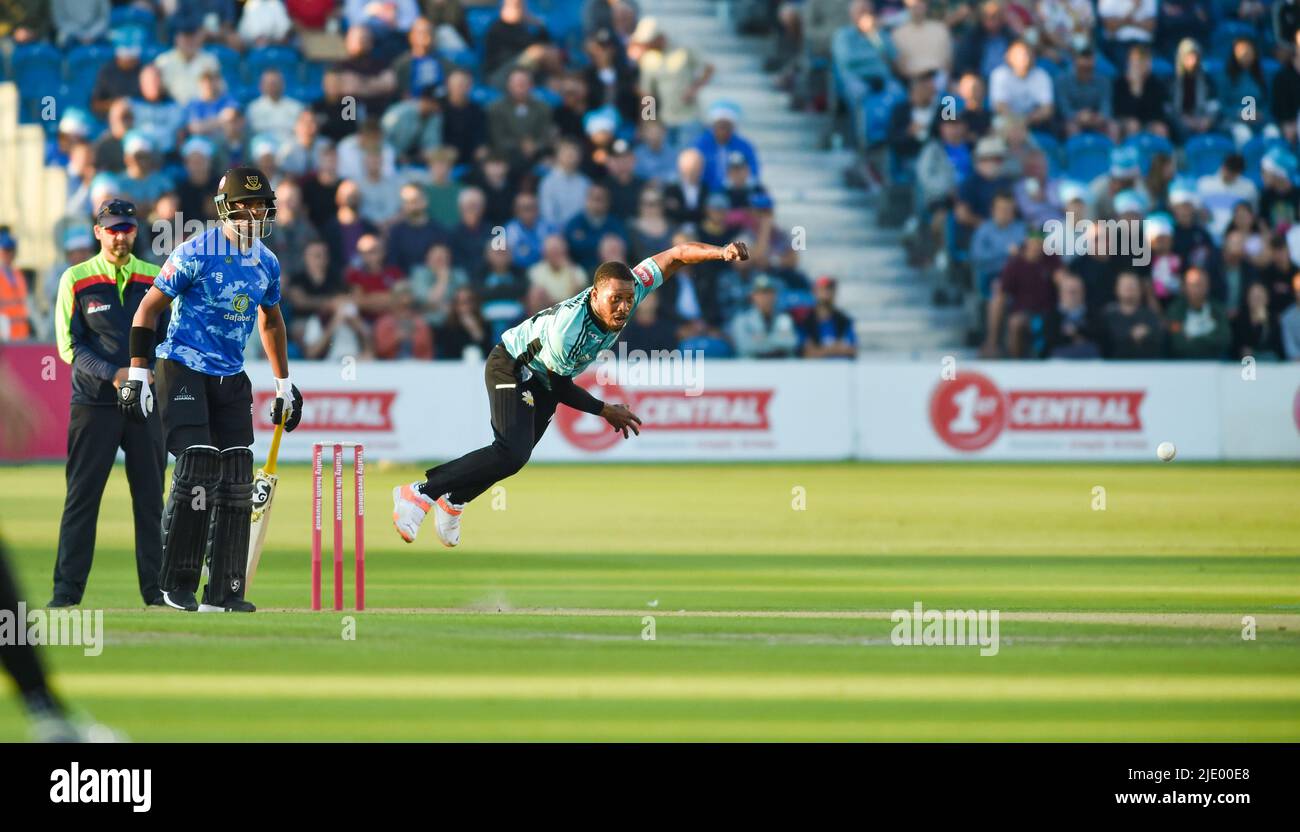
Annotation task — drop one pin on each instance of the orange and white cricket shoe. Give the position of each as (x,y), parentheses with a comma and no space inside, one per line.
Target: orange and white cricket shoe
(447,520)
(409,509)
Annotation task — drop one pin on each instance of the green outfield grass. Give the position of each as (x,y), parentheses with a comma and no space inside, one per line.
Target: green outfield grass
(769,622)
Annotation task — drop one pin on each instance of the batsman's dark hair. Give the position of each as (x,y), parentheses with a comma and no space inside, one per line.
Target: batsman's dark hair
(611,270)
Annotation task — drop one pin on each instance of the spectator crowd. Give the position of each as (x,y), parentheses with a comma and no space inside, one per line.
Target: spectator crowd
(441,171)
(998,122)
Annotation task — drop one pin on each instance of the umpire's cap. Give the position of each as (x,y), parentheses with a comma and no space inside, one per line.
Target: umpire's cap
(115,212)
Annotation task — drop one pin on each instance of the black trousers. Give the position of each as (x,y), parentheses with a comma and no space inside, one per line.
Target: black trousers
(199,409)
(20,660)
(95,432)
(521,410)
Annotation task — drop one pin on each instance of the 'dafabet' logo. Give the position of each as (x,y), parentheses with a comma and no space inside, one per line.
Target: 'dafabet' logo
(969,412)
(664,410)
(335,410)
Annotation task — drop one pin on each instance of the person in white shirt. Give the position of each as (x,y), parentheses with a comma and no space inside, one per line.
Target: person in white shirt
(554,277)
(563,191)
(264,22)
(1021,88)
(762,331)
(1220,192)
(183,65)
(1126,22)
(273,112)
(368,139)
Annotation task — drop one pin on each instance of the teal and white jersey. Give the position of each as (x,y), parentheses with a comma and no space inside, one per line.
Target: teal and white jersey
(570,336)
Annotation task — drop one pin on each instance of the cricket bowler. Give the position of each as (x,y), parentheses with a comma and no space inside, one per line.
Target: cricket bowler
(531,372)
(213,283)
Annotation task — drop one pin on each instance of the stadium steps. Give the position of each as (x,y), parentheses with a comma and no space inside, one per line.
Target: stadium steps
(889,300)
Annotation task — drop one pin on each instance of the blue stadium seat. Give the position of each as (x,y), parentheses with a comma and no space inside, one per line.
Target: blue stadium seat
(133,16)
(1254,150)
(31,59)
(565,25)
(1269,67)
(552,98)
(1147,146)
(478,19)
(1162,68)
(1202,155)
(1051,148)
(464,58)
(37,72)
(876,108)
(230,61)
(1088,156)
(1104,67)
(283,58)
(306,93)
(484,95)
(81,64)
(1227,31)
(310,73)
(1213,67)
(74,94)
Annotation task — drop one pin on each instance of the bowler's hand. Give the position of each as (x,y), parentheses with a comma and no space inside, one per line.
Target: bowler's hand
(621,419)
(734,252)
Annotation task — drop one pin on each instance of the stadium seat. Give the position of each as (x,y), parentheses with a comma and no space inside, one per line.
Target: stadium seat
(1147,146)
(74,94)
(876,109)
(37,72)
(552,98)
(478,19)
(464,58)
(1227,31)
(708,346)
(229,60)
(32,59)
(1088,156)
(1213,67)
(484,95)
(133,16)
(1104,67)
(1269,67)
(1051,148)
(1162,68)
(283,58)
(310,73)
(1203,155)
(82,63)
(1254,150)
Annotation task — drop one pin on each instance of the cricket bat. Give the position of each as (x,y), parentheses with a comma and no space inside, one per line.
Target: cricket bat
(263,493)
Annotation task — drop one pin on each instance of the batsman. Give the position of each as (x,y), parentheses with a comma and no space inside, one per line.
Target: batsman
(217,284)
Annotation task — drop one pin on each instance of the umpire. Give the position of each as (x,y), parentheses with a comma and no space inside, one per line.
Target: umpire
(96,302)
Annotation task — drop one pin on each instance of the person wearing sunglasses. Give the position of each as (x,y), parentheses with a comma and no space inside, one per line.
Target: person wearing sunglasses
(95,303)
(219,284)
